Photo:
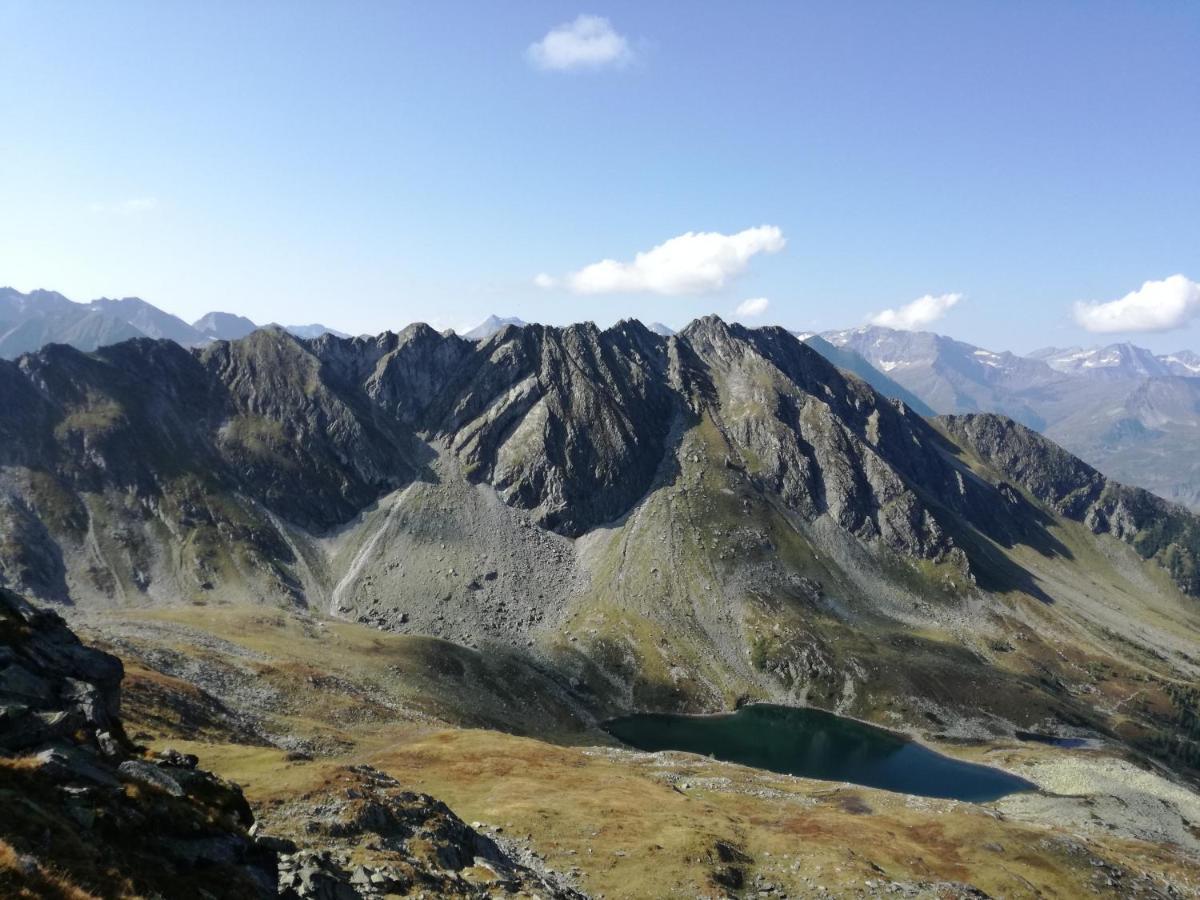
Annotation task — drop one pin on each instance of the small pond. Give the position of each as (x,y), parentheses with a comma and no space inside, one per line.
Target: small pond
(817,744)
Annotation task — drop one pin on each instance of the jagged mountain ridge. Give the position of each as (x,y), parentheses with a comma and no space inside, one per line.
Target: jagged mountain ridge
(663,522)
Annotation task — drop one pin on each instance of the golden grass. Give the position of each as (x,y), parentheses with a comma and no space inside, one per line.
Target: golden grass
(20,881)
(628,821)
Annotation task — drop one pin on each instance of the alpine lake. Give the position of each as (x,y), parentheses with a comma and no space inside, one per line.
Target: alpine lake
(813,743)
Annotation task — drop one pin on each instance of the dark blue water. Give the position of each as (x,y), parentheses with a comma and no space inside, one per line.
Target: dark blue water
(817,744)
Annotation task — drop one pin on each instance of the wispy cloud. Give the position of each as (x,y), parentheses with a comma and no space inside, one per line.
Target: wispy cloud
(921,312)
(1155,306)
(131,207)
(590,42)
(749,309)
(692,263)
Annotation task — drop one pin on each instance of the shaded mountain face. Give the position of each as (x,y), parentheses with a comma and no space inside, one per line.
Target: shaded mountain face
(659,522)
(1121,408)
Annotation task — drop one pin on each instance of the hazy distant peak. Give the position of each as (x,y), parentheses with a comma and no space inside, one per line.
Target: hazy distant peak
(490,326)
(223,326)
(314,330)
(660,328)
(149,319)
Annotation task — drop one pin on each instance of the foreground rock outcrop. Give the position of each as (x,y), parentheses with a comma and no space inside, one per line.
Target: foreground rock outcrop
(86,812)
(83,804)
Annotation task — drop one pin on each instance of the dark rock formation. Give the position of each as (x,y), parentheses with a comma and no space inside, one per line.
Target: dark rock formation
(81,800)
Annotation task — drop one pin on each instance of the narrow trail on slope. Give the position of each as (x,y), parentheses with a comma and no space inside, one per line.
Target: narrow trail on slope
(364,553)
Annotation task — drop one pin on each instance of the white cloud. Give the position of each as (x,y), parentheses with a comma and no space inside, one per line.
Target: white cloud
(921,312)
(1156,306)
(543,280)
(748,309)
(692,263)
(131,207)
(587,43)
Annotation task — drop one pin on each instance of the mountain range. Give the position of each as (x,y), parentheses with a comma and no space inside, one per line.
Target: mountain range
(1133,414)
(30,321)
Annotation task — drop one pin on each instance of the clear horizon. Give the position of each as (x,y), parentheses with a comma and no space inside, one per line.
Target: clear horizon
(980,171)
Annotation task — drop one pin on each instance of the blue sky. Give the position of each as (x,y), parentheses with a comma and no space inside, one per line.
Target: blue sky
(370,164)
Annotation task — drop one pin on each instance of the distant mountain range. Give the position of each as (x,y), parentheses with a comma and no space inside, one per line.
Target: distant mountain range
(30,321)
(1133,414)
(1120,359)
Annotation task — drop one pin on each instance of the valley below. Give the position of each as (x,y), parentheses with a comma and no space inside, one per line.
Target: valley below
(288,706)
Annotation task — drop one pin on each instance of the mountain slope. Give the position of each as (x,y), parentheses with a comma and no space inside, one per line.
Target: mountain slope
(1123,360)
(77,325)
(656,522)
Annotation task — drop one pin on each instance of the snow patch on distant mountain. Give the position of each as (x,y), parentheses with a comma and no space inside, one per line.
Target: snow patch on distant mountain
(1115,359)
(1185,362)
